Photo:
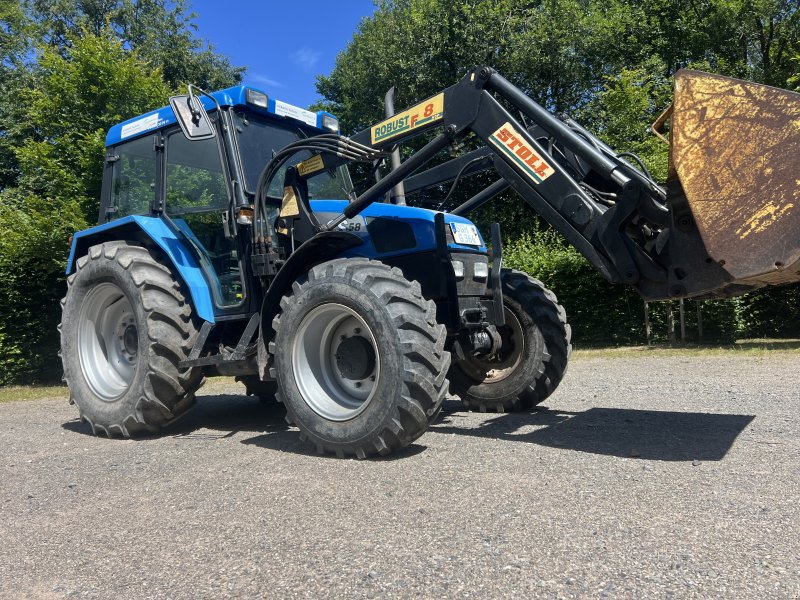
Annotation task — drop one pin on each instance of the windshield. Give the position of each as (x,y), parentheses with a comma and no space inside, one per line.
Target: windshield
(259,137)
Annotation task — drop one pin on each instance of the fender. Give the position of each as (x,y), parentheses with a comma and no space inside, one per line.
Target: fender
(138,228)
(323,246)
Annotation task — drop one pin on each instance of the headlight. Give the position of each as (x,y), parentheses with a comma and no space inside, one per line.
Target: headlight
(257,98)
(330,123)
(458,268)
(244,216)
(481,270)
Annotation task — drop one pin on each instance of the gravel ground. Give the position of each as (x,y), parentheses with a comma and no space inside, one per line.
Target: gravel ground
(642,477)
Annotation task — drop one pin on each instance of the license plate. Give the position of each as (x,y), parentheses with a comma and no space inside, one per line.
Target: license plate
(464,233)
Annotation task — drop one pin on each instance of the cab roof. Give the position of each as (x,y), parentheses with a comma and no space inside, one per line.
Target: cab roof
(239,95)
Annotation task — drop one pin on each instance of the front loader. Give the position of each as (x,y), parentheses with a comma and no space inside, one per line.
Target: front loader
(220,251)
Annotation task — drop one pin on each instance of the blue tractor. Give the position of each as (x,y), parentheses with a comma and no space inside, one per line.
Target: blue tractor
(215,255)
(231,242)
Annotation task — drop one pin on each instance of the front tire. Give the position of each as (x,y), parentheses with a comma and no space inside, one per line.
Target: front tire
(125,327)
(359,358)
(533,359)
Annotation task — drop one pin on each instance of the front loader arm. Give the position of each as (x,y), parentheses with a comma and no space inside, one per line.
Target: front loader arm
(547,185)
(613,213)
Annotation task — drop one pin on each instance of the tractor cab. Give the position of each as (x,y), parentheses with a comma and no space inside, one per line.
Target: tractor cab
(203,188)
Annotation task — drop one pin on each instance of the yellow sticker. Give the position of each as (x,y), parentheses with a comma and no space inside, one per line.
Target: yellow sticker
(422,114)
(312,165)
(289,206)
(514,146)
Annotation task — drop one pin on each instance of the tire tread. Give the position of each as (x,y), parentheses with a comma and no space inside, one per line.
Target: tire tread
(422,341)
(168,391)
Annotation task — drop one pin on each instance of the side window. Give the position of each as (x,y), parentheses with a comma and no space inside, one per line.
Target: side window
(195,178)
(196,200)
(133,180)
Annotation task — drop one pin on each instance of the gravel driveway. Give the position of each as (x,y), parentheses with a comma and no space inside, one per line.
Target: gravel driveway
(642,477)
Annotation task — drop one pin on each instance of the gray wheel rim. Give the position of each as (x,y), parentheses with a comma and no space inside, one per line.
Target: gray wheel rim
(108,341)
(324,388)
(492,371)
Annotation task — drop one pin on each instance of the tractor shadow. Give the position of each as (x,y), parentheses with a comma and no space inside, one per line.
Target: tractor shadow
(216,416)
(290,441)
(221,416)
(629,433)
(649,435)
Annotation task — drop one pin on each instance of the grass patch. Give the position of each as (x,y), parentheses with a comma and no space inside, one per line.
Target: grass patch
(741,347)
(15,393)
(12,393)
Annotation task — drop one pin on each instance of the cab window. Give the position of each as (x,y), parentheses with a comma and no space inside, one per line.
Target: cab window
(195,177)
(133,179)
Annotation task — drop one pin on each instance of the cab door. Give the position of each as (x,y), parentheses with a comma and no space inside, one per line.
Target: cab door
(197,201)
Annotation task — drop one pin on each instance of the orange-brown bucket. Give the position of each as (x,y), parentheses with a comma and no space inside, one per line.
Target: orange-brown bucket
(735,150)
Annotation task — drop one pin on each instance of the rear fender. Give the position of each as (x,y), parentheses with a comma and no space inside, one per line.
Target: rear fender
(150,230)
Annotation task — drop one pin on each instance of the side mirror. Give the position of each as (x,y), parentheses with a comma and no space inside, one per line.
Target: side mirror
(192,117)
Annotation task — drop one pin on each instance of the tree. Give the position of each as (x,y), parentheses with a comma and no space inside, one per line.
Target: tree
(75,99)
(558,51)
(607,63)
(162,31)
(620,113)
(69,69)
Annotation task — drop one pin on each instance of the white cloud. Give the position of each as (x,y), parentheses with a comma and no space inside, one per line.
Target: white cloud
(306,58)
(263,79)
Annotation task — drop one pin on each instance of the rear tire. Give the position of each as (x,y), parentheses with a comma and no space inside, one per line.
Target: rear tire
(525,373)
(125,327)
(359,358)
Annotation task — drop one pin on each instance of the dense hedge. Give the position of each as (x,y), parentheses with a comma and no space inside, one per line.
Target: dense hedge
(33,253)
(605,314)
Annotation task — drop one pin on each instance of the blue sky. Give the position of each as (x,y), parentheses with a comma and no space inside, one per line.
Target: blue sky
(283,44)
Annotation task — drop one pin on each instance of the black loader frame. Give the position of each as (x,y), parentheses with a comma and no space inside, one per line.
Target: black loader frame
(615,214)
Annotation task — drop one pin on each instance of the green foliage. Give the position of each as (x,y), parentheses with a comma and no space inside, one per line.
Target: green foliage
(33,252)
(599,312)
(773,312)
(602,313)
(78,96)
(629,101)
(69,70)
(161,31)
(555,51)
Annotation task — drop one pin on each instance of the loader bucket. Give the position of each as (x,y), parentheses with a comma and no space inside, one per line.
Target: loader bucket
(735,151)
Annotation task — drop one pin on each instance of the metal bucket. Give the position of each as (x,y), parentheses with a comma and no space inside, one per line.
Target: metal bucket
(735,153)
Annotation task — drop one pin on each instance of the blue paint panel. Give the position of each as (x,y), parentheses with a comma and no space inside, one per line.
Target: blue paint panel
(162,117)
(181,259)
(421,221)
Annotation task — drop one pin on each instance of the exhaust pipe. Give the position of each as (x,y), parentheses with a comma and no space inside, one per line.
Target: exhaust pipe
(398,194)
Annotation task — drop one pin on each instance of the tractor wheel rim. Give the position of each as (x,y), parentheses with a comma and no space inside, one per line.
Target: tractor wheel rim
(336,362)
(108,341)
(497,369)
